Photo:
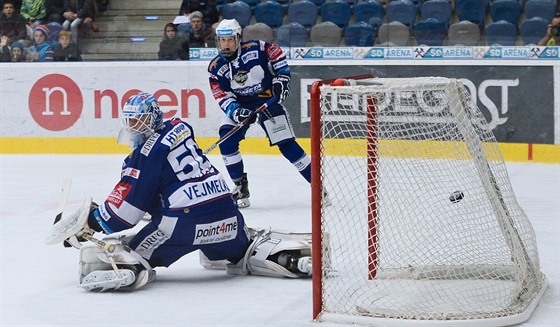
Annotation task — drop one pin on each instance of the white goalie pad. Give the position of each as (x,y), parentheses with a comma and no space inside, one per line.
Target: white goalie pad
(266,251)
(70,225)
(112,267)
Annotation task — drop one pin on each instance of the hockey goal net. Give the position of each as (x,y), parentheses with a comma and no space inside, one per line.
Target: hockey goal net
(424,226)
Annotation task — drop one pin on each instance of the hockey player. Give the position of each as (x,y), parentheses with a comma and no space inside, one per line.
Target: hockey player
(243,76)
(191,207)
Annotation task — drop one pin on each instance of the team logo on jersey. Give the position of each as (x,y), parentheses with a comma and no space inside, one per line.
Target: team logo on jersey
(118,194)
(241,77)
(216,232)
(131,172)
(251,55)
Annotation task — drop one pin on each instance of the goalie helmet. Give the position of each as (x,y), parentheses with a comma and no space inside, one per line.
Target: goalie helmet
(226,29)
(141,117)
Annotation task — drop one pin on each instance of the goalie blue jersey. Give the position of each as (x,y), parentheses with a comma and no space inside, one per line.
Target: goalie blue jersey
(170,178)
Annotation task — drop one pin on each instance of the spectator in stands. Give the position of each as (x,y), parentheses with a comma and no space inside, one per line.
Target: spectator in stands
(173,46)
(34,11)
(552,36)
(41,50)
(200,35)
(12,24)
(55,10)
(207,7)
(77,12)
(5,51)
(65,49)
(17,52)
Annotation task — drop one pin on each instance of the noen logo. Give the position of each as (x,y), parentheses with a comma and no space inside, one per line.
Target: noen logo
(55,102)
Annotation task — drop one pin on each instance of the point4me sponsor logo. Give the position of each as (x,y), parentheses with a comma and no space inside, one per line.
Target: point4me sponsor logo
(217,232)
(55,102)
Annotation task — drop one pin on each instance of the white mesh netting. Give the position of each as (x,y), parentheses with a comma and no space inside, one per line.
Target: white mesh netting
(397,246)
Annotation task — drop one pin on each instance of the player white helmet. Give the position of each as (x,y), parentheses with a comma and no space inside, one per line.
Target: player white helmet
(227,29)
(141,117)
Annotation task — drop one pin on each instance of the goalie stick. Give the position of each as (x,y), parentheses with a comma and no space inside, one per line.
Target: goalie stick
(63,199)
(245,121)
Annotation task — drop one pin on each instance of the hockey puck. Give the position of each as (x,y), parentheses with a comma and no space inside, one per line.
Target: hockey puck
(456,196)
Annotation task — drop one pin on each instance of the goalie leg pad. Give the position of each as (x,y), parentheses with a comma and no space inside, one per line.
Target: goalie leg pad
(270,253)
(98,272)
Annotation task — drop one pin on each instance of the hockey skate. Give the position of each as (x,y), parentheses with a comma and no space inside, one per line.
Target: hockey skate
(294,262)
(102,280)
(241,192)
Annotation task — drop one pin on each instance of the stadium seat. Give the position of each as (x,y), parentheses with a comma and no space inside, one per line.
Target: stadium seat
(464,33)
(292,35)
(501,33)
(365,10)
(54,29)
(326,34)
(258,31)
(439,10)
(252,3)
(403,11)
(395,33)
(430,32)
(270,13)
(319,4)
(533,30)
(303,12)
(220,4)
(508,10)
(540,8)
(284,3)
(471,10)
(238,10)
(375,22)
(360,34)
(338,12)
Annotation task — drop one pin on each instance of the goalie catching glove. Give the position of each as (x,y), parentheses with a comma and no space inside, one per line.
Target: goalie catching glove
(72,229)
(281,87)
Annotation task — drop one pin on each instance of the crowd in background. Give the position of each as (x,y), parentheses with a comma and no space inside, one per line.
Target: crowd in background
(49,30)
(45,30)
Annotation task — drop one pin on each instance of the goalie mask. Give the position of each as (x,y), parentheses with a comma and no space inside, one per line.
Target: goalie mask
(228,37)
(140,117)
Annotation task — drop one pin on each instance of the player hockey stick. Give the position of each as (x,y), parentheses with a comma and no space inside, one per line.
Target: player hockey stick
(242,123)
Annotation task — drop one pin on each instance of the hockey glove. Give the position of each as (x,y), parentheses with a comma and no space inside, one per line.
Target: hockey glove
(281,87)
(90,227)
(240,114)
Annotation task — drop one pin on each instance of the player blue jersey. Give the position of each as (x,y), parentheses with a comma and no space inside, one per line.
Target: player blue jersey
(167,176)
(246,81)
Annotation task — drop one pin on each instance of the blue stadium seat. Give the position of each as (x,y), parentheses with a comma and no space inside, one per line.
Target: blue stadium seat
(318,3)
(501,33)
(540,8)
(430,32)
(533,30)
(439,10)
(365,10)
(508,10)
(360,34)
(271,13)
(292,35)
(402,11)
(303,12)
(239,10)
(252,3)
(285,3)
(471,10)
(220,4)
(338,12)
